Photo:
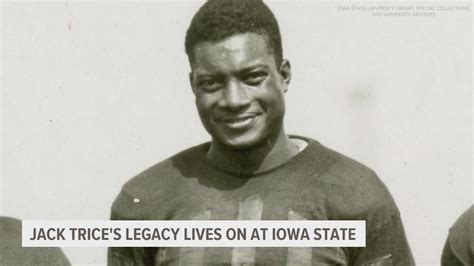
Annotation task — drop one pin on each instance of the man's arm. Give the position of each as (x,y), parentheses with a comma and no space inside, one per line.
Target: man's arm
(386,245)
(134,256)
(121,256)
(459,247)
(370,200)
(448,257)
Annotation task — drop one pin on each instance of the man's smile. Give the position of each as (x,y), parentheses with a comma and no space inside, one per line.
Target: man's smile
(242,121)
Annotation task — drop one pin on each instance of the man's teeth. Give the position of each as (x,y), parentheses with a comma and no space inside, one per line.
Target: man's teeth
(239,119)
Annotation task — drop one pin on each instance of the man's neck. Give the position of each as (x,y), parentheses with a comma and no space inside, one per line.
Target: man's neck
(264,157)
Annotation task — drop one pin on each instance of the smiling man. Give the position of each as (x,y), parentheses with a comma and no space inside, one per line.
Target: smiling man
(239,88)
(252,169)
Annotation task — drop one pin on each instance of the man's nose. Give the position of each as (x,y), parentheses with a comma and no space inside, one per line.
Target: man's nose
(234,96)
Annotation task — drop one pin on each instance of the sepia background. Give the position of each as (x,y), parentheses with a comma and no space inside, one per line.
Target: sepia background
(94,93)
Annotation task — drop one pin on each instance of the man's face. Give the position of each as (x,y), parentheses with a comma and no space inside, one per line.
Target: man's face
(239,90)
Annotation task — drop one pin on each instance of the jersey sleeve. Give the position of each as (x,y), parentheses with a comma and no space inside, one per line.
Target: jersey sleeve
(459,247)
(386,245)
(386,242)
(13,253)
(121,256)
(448,257)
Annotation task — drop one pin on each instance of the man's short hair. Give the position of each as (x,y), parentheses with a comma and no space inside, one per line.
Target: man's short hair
(217,20)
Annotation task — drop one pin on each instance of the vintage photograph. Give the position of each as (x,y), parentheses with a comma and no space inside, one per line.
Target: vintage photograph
(240,110)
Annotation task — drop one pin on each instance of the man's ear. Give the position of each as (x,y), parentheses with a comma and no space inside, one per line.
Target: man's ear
(191,81)
(285,72)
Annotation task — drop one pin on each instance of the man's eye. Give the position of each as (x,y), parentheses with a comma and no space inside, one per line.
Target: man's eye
(255,78)
(208,84)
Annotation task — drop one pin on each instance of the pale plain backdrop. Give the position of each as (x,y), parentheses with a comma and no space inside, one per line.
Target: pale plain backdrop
(94,93)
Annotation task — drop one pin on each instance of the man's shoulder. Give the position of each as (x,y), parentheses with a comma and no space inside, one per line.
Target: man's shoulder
(167,170)
(460,234)
(159,180)
(12,252)
(351,188)
(341,170)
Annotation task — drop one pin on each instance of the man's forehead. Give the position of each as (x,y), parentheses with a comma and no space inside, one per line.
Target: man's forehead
(238,49)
